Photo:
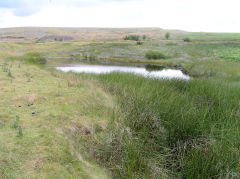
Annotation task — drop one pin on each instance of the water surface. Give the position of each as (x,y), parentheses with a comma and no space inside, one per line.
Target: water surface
(99,69)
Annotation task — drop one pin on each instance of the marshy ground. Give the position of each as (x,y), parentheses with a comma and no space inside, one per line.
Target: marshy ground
(65,125)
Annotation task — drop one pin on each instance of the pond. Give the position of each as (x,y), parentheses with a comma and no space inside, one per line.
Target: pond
(100,69)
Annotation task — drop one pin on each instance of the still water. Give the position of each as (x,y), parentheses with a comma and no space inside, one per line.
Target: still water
(99,69)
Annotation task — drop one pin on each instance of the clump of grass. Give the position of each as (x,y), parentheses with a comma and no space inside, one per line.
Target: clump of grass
(2,124)
(132,37)
(59,88)
(187,39)
(150,67)
(144,37)
(92,58)
(139,42)
(154,55)
(16,122)
(174,129)
(5,67)
(20,133)
(167,35)
(34,58)
(9,73)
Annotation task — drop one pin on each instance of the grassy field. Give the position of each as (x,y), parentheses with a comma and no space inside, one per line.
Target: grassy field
(66,125)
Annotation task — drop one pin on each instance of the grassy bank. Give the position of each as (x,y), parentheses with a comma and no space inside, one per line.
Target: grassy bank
(43,113)
(171,128)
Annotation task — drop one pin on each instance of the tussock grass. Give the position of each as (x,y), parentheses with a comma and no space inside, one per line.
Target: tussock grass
(154,55)
(171,128)
(34,58)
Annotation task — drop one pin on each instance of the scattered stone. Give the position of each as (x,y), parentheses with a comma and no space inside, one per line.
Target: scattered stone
(33,113)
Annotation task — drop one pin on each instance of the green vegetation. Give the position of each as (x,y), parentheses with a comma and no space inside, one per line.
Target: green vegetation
(187,39)
(132,37)
(9,73)
(139,42)
(15,125)
(40,131)
(228,52)
(167,35)
(144,37)
(34,58)
(66,125)
(171,128)
(154,55)
(20,133)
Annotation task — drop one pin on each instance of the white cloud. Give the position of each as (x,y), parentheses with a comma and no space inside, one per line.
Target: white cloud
(191,15)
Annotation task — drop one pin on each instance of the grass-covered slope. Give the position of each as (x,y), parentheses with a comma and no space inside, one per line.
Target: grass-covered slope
(43,113)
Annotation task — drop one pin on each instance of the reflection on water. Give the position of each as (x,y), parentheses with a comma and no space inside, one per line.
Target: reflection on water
(98,69)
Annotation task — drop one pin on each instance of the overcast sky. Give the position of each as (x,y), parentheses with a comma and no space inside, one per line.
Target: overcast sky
(190,15)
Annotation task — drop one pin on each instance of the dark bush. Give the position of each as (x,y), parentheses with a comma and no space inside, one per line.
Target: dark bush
(155,55)
(132,37)
(92,57)
(167,35)
(150,67)
(187,39)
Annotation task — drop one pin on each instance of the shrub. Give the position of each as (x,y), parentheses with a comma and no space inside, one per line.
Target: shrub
(187,39)
(155,55)
(144,37)
(35,58)
(132,37)
(139,42)
(92,57)
(167,35)
(150,67)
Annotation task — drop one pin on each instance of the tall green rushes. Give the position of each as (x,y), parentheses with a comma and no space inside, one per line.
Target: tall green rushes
(16,122)
(20,133)
(9,73)
(171,128)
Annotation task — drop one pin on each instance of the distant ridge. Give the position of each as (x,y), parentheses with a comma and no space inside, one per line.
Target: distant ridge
(35,33)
